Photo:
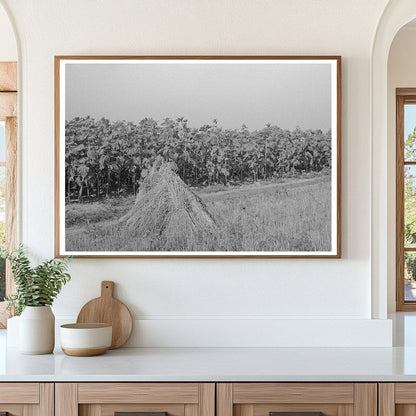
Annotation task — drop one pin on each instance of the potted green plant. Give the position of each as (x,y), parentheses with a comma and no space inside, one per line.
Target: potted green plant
(36,289)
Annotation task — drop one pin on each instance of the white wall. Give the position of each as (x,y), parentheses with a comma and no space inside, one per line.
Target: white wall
(8,47)
(201,299)
(401,74)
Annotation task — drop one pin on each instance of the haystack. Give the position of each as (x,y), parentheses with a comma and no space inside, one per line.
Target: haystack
(166,210)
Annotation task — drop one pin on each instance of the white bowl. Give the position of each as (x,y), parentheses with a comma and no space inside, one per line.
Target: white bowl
(83,340)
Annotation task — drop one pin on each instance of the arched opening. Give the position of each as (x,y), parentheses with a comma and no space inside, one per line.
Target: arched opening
(401,87)
(396,15)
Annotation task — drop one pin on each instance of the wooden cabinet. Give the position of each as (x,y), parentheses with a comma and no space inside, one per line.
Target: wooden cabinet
(397,399)
(27,399)
(263,399)
(208,399)
(106,399)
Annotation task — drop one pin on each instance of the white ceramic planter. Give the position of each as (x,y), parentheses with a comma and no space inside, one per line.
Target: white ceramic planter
(37,330)
(12,334)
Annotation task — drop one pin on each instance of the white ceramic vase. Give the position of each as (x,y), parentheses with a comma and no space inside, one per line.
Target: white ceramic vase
(37,330)
(12,334)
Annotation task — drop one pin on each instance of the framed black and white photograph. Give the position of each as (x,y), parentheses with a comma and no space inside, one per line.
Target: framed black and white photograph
(198,156)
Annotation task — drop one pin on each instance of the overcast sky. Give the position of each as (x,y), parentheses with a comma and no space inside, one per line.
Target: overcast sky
(254,94)
(409,119)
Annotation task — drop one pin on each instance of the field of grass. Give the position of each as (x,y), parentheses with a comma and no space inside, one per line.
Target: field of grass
(290,216)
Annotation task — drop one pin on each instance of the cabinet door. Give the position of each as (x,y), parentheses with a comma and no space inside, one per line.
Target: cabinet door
(297,399)
(26,399)
(141,399)
(397,399)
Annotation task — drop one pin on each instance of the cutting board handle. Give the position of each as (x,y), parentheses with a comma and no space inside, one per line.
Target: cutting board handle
(107,288)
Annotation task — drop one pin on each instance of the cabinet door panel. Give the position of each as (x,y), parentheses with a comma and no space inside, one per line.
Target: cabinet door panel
(27,399)
(329,399)
(19,393)
(138,393)
(110,409)
(397,399)
(405,393)
(105,399)
(293,393)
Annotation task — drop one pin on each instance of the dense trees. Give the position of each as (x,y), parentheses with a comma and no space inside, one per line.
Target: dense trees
(410,191)
(410,206)
(104,158)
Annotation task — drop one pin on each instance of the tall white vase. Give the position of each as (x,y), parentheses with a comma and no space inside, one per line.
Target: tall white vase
(37,330)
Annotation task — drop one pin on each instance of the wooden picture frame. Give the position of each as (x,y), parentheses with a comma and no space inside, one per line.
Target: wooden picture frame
(8,117)
(198,156)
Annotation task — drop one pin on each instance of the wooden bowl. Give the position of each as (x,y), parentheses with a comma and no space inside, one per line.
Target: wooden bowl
(84,340)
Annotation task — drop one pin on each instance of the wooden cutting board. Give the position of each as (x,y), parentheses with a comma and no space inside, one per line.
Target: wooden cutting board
(107,309)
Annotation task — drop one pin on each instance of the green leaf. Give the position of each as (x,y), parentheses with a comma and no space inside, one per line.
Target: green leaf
(35,286)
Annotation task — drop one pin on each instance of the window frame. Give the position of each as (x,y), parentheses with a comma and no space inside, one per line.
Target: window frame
(8,114)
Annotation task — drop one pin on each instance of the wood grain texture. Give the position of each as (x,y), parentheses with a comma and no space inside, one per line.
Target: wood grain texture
(336,58)
(386,399)
(199,57)
(340,393)
(25,393)
(47,399)
(8,76)
(365,399)
(31,410)
(405,91)
(244,410)
(66,399)
(11,208)
(405,410)
(90,410)
(224,399)
(339,158)
(8,110)
(346,410)
(190,410)
(400,304)
(138,393)
(171,409)
(405,393)
(57,152)
(8,105)
(404,96)
(265,409)
(11,196)
(107,309)
(207,399)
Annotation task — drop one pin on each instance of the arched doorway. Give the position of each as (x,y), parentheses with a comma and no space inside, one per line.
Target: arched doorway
(395,16)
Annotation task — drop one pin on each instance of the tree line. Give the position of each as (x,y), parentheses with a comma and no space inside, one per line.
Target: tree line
(104,158)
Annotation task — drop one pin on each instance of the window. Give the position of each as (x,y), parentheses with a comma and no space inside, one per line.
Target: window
(8,167)
(406,199)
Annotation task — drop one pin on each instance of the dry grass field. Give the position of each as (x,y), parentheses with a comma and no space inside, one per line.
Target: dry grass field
(289,216)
